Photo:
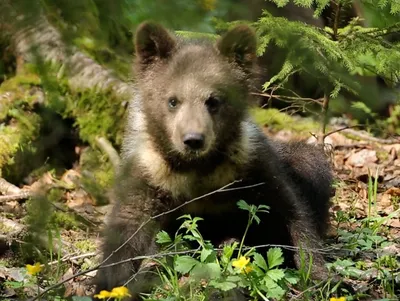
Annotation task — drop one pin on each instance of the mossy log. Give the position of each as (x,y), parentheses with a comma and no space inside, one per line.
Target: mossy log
(60,95)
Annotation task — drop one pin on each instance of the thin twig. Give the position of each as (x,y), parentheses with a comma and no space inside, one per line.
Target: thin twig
(71,258)
(317,101)
(336,22)
(324,119)
(307,290)
(342,129)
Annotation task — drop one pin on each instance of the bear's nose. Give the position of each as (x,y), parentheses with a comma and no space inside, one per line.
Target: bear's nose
(194,141)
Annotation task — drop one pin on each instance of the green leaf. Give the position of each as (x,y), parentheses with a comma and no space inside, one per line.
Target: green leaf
(260,261)
(291,277)
(206,271)
(223,286)
(344,263)
(276,292)
(197,219)
(263,208)
(204,254)
(276,274)
(163,237)
(183,264)
(243,205)
(257,219)
(272,289)
(185,216)
(228,252)
(275,257)
(14,284)
(233,278)
(269,283)
(189,237)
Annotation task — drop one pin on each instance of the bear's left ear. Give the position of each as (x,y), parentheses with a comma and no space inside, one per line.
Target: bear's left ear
(152,42)
(239,44)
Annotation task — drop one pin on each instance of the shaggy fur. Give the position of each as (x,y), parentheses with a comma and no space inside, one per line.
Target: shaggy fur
(188,134)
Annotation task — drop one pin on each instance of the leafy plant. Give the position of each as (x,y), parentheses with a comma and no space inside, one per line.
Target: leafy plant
(210,269)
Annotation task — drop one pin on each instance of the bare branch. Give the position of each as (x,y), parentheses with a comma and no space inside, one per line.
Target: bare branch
(8,188)
(109,150)
(12,197)
(324,119)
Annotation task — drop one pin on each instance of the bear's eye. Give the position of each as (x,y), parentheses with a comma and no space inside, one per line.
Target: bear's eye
(173,102)
(213,104)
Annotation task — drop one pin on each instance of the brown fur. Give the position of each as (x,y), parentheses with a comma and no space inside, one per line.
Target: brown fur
(201,90)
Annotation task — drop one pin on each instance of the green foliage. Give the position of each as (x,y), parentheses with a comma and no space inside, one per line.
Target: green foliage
(95,113)
(334,57)
(394,5)
(369,238)
(277,120)
(18,125)
(209,269)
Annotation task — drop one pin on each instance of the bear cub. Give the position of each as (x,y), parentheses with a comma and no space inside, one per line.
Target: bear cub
(189,133)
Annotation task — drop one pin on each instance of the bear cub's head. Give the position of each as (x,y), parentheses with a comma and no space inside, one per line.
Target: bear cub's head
(194,92)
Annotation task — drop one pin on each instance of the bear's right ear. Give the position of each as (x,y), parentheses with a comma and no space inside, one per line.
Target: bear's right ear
(239,45)
(152,42)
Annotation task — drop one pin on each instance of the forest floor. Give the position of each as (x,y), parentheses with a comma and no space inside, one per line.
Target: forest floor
(364,235)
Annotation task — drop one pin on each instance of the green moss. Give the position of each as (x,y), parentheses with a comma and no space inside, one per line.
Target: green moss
(9,141)
(55,194)
(20,81)
(15,94)
(64,220)
(86,245)
(351,136)
(279,120)
(19,125)
(17,137)
(382,155)
(5,229)
(97,114)
(196,35)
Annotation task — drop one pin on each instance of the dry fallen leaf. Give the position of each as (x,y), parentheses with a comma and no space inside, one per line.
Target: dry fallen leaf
(71,177)
(394,191)
(362,158)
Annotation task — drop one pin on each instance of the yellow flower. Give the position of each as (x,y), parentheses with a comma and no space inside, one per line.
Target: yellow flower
(247,269)
(117,292)
(103,295)
(241,262)
(338,299)
(120,292)
(34,269)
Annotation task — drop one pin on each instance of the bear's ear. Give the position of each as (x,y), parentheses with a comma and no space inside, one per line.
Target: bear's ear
(239,44)
(152,42)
